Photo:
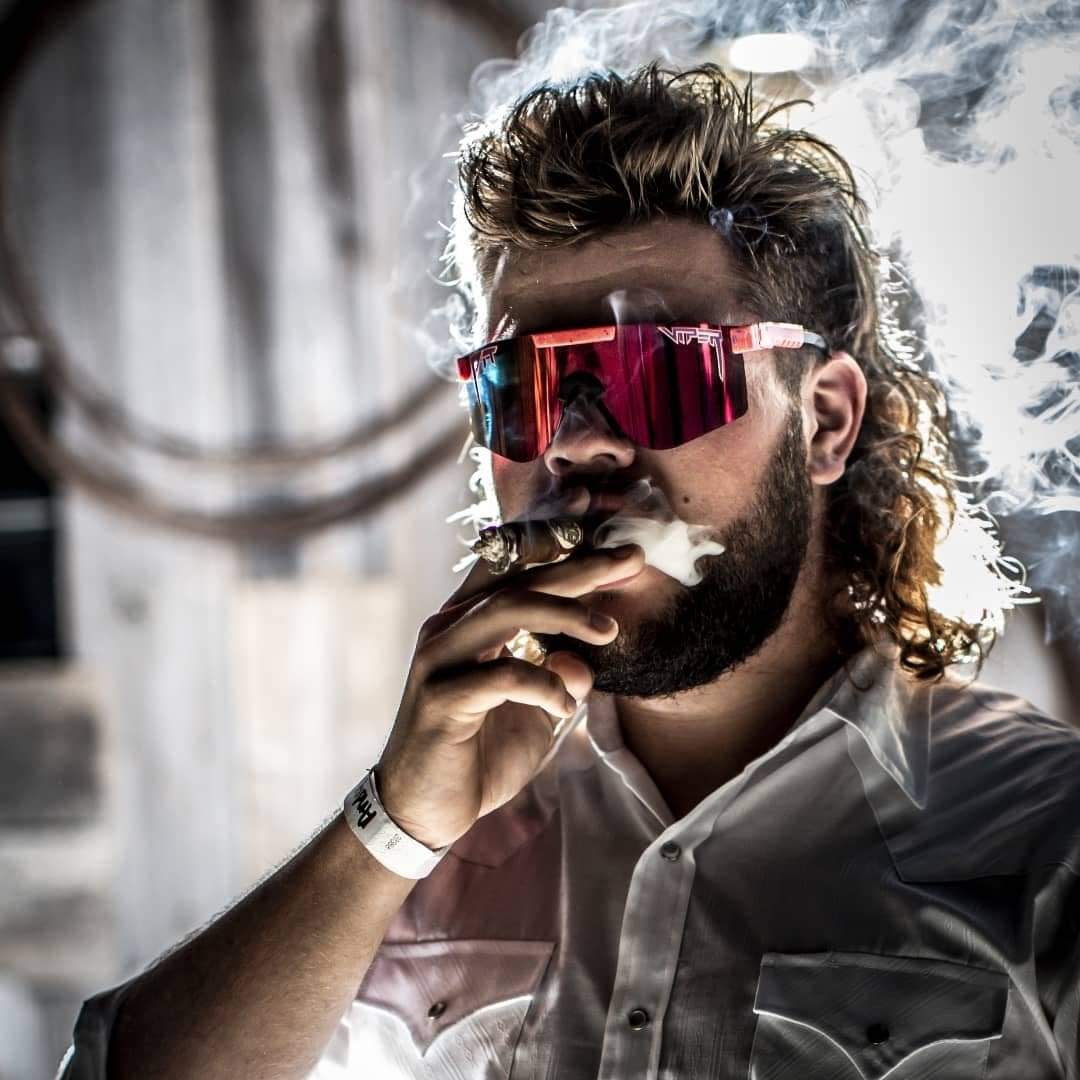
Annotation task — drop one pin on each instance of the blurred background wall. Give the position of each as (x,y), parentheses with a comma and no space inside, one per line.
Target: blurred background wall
(231,211)
(219,202)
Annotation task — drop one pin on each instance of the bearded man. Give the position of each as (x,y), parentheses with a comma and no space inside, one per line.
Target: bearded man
(749,827)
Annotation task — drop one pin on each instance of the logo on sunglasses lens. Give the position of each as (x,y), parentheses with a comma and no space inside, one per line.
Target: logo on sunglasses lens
(684,335)
(486,355)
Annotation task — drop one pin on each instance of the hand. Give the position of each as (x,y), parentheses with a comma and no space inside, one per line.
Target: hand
(474,721)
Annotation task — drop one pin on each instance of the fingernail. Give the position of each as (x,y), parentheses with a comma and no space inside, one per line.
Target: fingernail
(602,621)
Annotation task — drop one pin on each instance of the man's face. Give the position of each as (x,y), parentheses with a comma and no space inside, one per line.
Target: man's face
(746,480)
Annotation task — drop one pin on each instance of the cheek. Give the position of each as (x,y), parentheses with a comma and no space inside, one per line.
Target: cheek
(515,486)
(713,479)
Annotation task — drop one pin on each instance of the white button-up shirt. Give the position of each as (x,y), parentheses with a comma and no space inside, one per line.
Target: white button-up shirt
(892,890)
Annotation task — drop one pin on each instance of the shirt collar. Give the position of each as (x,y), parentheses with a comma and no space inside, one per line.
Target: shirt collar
(871,694)
(890,711)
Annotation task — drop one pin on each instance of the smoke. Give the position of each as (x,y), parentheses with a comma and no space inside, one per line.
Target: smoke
(670,544)
(962,120)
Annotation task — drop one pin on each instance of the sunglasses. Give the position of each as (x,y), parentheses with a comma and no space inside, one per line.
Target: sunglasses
(658,386)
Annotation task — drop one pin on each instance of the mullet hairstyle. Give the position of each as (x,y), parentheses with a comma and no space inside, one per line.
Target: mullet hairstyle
(567,162)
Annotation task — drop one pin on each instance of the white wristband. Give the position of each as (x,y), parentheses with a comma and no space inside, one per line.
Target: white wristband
(382,836)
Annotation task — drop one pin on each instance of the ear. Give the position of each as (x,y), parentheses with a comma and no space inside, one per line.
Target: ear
(836,394)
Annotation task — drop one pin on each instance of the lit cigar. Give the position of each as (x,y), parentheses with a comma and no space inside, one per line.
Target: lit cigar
(527,543)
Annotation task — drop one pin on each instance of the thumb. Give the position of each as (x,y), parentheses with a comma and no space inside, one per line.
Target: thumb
(574,672)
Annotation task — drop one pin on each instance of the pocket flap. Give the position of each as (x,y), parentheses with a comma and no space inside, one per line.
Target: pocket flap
(879,1009)
(432,985)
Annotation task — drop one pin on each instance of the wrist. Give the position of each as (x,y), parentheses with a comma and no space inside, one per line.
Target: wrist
(391,845)
(388,796)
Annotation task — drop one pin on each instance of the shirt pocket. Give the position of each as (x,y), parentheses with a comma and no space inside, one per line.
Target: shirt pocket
(865,1016)
(443,1009)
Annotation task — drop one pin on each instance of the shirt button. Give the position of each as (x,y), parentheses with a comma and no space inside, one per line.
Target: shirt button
(877,1033)
(436,1010)
(670,851)
(637,1019)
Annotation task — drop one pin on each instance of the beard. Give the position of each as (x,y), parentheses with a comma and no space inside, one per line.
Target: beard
(711,628)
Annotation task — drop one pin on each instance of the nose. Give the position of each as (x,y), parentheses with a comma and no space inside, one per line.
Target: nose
(586,440)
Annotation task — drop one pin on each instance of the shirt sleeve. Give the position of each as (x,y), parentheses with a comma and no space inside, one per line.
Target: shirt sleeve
(86,1056)
(1058,969)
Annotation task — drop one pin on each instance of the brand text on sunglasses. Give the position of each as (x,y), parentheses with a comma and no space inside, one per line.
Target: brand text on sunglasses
(684,335)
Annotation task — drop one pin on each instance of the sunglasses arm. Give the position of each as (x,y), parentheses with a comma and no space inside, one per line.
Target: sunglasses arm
(773,335)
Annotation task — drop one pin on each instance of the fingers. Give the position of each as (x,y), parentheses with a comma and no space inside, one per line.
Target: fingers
(575,576)
(467,696)
(576,675)
(497,619)
(584,574)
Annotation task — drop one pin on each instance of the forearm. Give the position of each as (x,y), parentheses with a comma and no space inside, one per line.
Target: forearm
(259,991)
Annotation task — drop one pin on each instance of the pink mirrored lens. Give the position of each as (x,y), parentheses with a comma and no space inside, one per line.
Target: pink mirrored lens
(661,386)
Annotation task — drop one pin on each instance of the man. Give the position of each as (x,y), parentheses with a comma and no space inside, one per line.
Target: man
(779,840)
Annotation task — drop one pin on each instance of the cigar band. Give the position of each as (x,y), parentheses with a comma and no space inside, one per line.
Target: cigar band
(383,837)
(568,533)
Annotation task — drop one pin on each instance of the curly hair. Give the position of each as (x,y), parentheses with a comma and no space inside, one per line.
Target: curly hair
(569,161)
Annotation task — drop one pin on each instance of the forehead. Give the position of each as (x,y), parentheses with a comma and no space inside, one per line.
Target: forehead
(669,267)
